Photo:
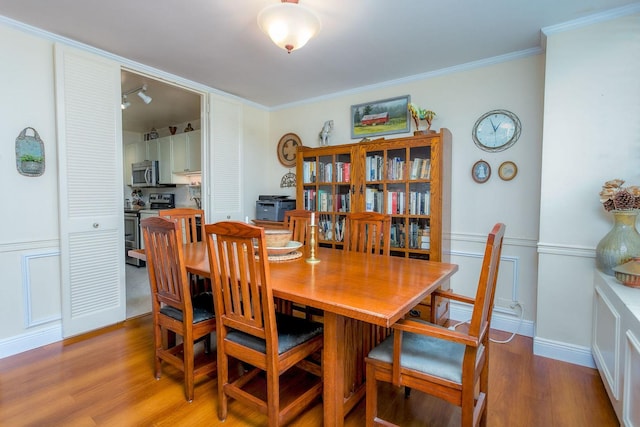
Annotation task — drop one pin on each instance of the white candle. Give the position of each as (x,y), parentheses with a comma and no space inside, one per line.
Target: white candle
(246,219)
(313,218)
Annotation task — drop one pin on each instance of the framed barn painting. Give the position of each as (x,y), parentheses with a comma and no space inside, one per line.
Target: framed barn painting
(384,117)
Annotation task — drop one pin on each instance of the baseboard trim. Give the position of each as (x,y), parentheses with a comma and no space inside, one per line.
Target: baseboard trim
(570,353)
(29,341)
(506,320)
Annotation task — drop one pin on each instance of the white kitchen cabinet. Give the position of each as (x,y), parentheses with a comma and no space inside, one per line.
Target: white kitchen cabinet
(165,159)
(133,153)
(616,345)
(153,149)
(177,155)
(187,152)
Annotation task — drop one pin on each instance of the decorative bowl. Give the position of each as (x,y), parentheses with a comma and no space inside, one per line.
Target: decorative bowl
(291,246)
(275,238)
(628,273)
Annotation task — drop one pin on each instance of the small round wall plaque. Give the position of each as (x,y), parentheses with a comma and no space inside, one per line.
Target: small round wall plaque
(507,171)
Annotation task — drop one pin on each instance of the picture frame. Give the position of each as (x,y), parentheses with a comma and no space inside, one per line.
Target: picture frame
(507,170)
(382,117)
(481,171)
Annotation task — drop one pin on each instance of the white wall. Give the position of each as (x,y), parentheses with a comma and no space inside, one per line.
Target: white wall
(591,135)
(459,98)
(29,256)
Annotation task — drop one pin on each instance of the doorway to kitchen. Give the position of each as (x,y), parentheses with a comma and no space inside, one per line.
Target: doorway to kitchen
(153,111)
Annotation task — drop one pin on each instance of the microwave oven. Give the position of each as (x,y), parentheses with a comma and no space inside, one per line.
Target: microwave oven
(147,174)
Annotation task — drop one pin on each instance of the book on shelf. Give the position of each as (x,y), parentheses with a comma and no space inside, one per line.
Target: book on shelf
(309,172)
(416,165)
(425,169)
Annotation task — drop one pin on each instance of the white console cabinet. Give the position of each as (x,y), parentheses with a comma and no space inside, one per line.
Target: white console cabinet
(616,345)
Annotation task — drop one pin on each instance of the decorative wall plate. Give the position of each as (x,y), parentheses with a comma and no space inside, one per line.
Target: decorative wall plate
(287,149)
(508,170)
(481,171)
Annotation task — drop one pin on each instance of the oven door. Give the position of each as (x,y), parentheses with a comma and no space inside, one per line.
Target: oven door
(131,237)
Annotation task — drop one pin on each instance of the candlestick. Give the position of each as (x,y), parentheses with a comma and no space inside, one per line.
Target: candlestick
(312,244)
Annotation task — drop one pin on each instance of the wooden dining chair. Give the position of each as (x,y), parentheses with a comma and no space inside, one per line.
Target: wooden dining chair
(249,329)
(448,364)
(188,219)
(173,309)
(297,220)
(368,232)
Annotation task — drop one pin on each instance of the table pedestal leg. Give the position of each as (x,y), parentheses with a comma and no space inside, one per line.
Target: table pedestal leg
(333,369)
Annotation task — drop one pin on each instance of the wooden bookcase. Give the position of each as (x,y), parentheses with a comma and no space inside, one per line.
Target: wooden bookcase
(408,178)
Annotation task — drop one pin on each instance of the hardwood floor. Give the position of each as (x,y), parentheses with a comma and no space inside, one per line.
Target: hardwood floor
(106,379)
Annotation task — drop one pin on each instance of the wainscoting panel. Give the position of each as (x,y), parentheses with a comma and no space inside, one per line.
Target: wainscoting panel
(41,287)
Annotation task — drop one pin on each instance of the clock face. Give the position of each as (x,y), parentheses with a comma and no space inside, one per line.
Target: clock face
(496,130)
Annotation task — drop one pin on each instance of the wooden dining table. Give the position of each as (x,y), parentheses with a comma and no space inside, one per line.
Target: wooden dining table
(352,288)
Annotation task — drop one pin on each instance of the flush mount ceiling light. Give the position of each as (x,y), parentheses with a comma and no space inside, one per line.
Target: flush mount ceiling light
(289,25)
(141,93)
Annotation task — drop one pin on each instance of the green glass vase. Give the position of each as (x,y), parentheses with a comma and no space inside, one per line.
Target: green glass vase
(620,244)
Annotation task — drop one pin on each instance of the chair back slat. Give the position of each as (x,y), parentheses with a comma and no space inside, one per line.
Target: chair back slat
(483,307)
(368,232)
(187,218)
(240,277)
(165,263)
(297,220)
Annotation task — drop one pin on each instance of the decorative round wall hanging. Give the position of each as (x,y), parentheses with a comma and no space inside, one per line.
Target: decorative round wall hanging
(481,171)
(508,170)
(287,149)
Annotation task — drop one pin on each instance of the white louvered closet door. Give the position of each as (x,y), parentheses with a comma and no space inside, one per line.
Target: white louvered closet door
(89,121)
(224,191)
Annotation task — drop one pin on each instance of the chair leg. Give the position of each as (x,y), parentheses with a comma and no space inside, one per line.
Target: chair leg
(157,343)
(223,379)
(371,412)
(273,398)
(207,343)
(188,361)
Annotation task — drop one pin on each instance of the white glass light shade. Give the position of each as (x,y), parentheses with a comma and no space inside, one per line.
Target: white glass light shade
(125,104)
(289,25)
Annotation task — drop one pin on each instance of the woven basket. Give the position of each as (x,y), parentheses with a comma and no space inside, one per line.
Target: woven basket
(277,238)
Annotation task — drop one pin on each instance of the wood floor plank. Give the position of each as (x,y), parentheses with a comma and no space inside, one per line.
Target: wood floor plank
(107,380)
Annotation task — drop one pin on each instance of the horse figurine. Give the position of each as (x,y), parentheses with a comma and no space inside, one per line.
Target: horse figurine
(327,128)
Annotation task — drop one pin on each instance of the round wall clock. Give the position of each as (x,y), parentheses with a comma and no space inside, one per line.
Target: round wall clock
(496,130)
(287,149)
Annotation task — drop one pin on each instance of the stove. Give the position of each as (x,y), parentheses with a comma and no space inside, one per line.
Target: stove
(158,201)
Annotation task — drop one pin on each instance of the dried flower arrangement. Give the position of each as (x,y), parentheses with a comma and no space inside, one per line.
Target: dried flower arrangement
(614,196)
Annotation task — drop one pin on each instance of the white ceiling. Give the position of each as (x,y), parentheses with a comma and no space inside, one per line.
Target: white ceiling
(217,43)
